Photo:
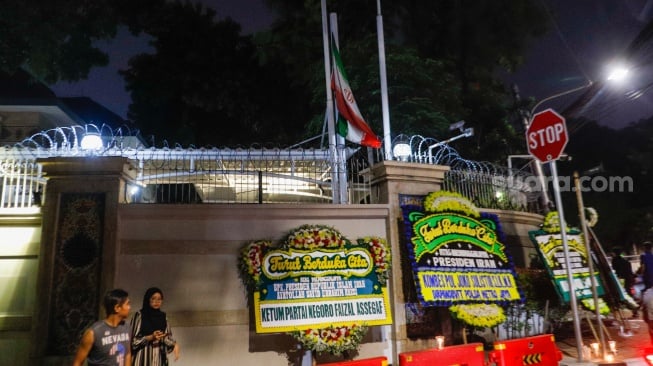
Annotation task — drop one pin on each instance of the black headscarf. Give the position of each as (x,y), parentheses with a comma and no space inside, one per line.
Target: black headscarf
(152,319)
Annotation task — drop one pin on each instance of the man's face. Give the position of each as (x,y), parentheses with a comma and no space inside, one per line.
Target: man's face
(124,308)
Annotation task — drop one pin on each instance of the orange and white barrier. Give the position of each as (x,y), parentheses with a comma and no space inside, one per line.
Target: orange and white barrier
(376,361)
(470,354)
(538,350)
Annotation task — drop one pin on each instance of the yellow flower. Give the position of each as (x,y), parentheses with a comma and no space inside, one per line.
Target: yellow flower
(479,315)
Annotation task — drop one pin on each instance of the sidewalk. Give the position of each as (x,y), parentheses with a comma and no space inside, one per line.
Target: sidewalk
(631,343)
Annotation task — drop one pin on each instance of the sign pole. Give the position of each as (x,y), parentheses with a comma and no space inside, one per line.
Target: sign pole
(590,260)
(565,248)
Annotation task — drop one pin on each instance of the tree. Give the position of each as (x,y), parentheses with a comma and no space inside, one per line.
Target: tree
(54,40)
(204,85)
(467,40)
(623,155)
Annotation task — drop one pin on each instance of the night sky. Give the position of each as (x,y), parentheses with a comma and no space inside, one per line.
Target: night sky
(583,38)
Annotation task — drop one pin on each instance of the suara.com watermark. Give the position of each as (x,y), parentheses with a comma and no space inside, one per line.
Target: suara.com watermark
(595,183)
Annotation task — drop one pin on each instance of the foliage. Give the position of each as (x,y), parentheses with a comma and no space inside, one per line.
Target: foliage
(203,85)
(441,63)
(56,40)
(625,154)
(538,293)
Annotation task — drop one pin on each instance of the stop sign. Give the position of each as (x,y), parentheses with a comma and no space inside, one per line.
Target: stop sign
(546,136)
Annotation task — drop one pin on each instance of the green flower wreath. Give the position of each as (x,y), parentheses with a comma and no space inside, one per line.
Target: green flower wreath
(334,340)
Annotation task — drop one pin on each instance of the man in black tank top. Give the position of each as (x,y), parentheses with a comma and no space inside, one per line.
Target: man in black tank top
(106,342)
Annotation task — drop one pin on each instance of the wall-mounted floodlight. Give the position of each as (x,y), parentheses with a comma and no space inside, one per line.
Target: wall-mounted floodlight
(401,151)
(91,141)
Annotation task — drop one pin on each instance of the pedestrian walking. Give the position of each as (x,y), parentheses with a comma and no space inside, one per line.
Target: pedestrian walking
(646,266)
(107,342)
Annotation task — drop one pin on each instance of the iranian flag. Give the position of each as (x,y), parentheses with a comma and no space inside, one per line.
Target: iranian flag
(351,124)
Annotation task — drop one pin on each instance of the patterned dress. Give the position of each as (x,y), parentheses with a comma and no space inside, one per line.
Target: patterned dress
(146,353)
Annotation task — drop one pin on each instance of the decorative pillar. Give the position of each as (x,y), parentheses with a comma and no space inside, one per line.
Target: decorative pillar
(389,179)
(78,249)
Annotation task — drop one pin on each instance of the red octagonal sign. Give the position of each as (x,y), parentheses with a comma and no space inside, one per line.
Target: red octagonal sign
(546,136)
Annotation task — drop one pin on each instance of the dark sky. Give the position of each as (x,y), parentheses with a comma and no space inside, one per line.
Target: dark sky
(585,36)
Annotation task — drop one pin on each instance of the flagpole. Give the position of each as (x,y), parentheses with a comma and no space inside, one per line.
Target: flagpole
(387,143)
(335,185)
(340,141)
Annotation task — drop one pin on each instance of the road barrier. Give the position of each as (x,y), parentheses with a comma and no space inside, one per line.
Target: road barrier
(538,350)
(376,361)
(470,354)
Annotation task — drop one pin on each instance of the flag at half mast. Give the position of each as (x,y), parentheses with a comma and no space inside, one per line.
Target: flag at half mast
(351,124)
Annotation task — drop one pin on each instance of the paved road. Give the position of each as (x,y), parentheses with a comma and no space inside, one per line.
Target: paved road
(631,343)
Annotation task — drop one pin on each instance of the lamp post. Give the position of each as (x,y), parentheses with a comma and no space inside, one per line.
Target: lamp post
(613,77)
(536,165)
(549,119)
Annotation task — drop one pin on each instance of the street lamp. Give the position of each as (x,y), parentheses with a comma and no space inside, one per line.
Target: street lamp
(465,132)
(617,74)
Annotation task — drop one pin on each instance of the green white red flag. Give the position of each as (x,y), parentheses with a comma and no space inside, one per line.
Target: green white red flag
(351,124)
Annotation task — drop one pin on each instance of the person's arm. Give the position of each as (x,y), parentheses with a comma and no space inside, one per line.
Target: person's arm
(128,357)
(170,342)
(84,348)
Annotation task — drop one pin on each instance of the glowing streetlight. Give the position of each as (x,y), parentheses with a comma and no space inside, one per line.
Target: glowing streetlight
(617,73)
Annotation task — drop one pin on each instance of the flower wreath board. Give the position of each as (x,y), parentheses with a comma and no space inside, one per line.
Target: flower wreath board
(318,286)
(457,258)
(548,241)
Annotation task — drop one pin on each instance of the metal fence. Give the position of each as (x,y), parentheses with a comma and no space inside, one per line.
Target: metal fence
(487,185)
(211,175)
(243,176)
(21,183)
(493,190)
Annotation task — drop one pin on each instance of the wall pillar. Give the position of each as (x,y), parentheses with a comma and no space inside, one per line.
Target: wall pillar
(389,180)
(78,249)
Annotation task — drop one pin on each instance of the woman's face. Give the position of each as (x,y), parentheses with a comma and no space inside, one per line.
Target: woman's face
(155,300)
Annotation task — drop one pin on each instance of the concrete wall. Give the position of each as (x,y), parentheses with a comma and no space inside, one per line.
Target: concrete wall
(20,237)
(191,251)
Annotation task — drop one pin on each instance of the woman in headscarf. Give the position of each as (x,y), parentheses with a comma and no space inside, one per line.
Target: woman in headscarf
(151,335)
